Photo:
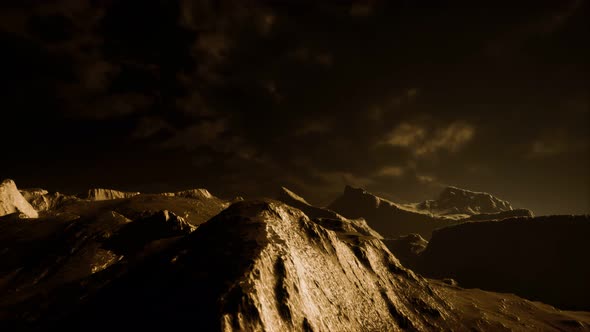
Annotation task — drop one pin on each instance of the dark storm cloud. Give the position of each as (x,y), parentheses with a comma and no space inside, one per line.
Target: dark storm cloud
(242,97)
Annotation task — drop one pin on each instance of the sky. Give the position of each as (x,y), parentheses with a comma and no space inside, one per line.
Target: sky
(401,98)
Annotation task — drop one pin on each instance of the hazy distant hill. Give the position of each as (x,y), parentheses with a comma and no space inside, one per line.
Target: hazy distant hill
(394,219)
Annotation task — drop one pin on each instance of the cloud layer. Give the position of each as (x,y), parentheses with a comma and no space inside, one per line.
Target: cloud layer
(242,97)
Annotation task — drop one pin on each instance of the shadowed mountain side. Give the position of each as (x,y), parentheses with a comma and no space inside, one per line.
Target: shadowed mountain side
(540,258)
(48,253)
(406,248)
(387,218)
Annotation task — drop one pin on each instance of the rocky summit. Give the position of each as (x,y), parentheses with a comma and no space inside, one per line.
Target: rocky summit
(453,200)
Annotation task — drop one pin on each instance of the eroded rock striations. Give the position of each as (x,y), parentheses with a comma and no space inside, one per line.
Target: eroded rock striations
(266,266)
(100,194)
(12,201)
(42,200)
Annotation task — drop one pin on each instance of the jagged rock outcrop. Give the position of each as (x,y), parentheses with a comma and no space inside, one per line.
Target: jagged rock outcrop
(12,201)
(387,218)
(42,200)
(453,200)
(538,258)
(100,194)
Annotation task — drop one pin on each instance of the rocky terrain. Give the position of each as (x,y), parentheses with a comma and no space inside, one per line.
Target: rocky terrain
(12,201)
(172,261)
(100,194)
(453,201)
(453,206)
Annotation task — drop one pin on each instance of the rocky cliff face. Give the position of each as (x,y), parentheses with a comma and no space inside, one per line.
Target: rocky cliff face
(12,201)
(538,258)
(100,194)
(42,200)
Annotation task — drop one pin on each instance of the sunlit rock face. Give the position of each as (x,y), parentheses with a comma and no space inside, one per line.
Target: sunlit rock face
(42,200)
(454,200)
(100,194)
(537,258)
(387,218)
(12,201)
(264,266)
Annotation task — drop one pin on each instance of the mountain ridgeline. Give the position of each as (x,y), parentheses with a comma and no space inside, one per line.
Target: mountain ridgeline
(190,259)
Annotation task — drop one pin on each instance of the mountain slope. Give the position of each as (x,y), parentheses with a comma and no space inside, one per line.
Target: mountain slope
(453,206)
(101,194)
(256,266)
(387,218)
(266,266)
(453,200)
(42,200)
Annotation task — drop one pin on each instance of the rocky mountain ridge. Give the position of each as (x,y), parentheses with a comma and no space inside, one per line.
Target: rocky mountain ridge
(391,219)
(166,262)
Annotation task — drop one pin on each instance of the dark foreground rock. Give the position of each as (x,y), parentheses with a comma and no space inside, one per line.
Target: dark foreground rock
(540,258)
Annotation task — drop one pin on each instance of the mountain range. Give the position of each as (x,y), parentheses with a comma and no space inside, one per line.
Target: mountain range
(109,259)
